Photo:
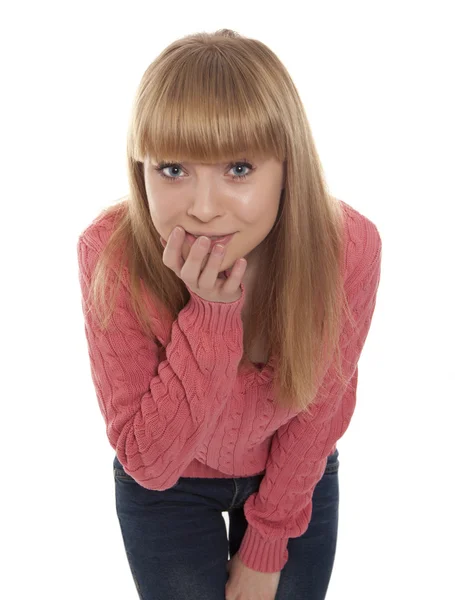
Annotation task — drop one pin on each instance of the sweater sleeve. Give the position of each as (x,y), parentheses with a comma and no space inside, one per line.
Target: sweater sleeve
(157,414)
(282,507)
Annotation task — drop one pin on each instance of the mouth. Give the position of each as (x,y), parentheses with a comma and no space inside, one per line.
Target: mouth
(224,240)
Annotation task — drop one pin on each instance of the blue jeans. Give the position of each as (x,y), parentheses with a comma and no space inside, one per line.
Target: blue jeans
(176,542)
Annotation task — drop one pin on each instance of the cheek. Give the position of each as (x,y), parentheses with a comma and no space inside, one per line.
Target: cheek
(260,213)
(159,210)
(163,219)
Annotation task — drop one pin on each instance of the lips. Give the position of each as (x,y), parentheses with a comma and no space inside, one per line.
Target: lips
(218,240)
(212,237)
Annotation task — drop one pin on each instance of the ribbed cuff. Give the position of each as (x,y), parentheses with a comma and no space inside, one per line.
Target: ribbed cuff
(215,317)
(259,554)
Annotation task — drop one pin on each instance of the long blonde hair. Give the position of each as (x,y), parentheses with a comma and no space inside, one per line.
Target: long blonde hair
(206,96)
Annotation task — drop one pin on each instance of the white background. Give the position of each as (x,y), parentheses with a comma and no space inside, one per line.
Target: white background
(376,80)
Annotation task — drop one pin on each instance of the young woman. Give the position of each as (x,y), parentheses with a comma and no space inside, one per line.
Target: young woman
(226,372)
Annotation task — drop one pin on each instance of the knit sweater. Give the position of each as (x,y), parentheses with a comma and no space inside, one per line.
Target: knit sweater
(178,407)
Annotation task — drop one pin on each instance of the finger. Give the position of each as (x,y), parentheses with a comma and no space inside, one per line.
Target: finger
(191,270)
(172,255)
(212,268)
(232,283)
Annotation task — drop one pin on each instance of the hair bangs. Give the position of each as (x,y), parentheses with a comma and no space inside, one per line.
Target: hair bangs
(208,110)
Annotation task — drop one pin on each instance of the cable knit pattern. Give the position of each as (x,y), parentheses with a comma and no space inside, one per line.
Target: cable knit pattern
(177,407)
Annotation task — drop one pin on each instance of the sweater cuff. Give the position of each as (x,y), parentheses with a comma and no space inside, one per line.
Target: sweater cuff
(260,554)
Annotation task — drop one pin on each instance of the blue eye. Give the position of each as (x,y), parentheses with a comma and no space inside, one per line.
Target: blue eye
(165,165)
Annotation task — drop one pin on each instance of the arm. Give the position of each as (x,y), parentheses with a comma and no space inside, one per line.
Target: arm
(157,414)
(282,507)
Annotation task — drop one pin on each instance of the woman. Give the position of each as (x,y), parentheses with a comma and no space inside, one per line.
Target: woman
(226,373)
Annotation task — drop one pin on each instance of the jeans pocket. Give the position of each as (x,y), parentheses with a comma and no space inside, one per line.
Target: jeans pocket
(332,463)
(119,472)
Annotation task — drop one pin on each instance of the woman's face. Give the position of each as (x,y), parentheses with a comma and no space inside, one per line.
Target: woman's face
(215,199)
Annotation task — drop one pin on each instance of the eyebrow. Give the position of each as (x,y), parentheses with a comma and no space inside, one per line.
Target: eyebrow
(219,164)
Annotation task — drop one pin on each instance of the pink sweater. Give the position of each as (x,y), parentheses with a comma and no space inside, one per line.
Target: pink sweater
(180,409)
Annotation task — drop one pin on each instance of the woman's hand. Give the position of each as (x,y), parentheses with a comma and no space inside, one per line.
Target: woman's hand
(206,282)
(246,584)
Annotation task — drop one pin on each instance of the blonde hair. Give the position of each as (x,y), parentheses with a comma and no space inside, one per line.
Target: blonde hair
(206,96)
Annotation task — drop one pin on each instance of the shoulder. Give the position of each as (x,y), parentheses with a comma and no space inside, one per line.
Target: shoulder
(363,246)
(98,231)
